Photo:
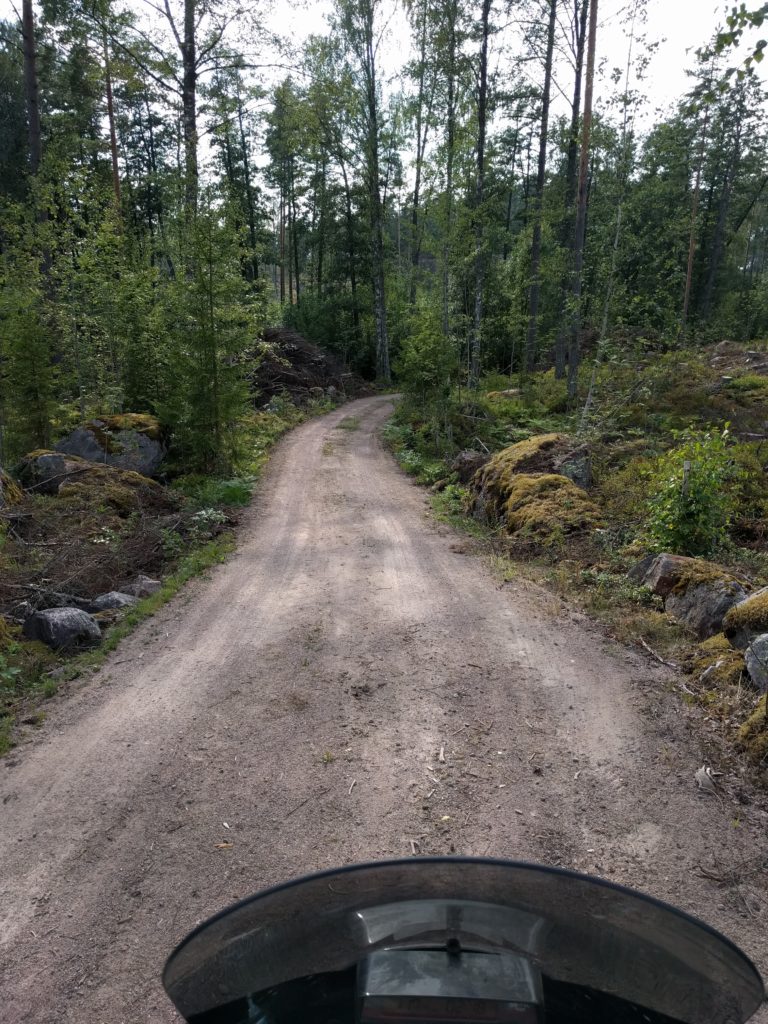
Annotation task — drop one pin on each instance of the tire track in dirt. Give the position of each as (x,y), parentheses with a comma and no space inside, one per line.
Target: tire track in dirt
(304,695)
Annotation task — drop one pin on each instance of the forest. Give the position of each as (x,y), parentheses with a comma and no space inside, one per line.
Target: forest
(474,205)
(490,206)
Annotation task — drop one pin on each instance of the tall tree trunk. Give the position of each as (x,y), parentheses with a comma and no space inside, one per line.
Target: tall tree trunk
(482,114)
(581,211)
(450,138)
(111,121)
(282,247)
(718,241)
(251,206)
(30,87)
(189,108)
(294,232)
(423,110)
(351,250)
(624,175)
(692,231)
(534,293)
(376,207)
(580,12)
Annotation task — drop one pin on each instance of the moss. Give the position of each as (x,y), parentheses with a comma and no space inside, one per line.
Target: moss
(494,480)
(751,616)
(6,636)
(142,423)
(697,571)
(10,490)
(39,452)
(715,662)
(547,505)
(753,735)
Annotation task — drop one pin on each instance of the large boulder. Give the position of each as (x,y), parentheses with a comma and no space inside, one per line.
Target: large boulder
(63,629)
(549,454)
(44,472)
(697,593)
(756,659)
(748,619)
(537,507)
(703,606)
(127,441)
(10,492)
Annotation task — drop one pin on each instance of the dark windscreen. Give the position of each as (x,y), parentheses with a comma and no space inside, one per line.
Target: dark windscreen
(581,934)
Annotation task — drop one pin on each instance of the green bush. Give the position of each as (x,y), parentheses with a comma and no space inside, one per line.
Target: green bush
(693,495)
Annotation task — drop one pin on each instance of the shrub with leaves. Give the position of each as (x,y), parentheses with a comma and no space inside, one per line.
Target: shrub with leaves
(693,494)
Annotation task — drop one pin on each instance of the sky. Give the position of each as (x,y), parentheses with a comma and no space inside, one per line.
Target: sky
(679,26)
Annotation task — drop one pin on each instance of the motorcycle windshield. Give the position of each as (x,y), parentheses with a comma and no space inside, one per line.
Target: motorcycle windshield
(629,956)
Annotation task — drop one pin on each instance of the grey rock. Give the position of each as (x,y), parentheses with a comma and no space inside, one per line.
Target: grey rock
(128,449)
(142,586)
(756,658)
(703,606)
(45,473)
(666,571)
(114,599)
(577,466)
(57,599)
(640,570)
(63,629)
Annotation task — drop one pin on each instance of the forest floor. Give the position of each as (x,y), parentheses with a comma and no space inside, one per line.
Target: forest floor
(287,714)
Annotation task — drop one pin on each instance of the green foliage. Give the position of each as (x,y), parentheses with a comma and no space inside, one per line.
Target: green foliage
(427,364)
(692,497)
(210,492)
(210,324)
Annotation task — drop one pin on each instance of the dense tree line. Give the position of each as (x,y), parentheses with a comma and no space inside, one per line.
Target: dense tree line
(494,205)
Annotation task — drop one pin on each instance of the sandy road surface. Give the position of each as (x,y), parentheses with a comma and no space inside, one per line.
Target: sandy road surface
(347,641)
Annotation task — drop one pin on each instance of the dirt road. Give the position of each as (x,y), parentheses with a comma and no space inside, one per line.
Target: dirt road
(294,707)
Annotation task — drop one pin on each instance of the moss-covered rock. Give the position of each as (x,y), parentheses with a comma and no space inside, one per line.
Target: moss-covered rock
(748,619)
(544,454)
(544,507)
(753,735)
(676,574)
(85,483)
(126,441)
